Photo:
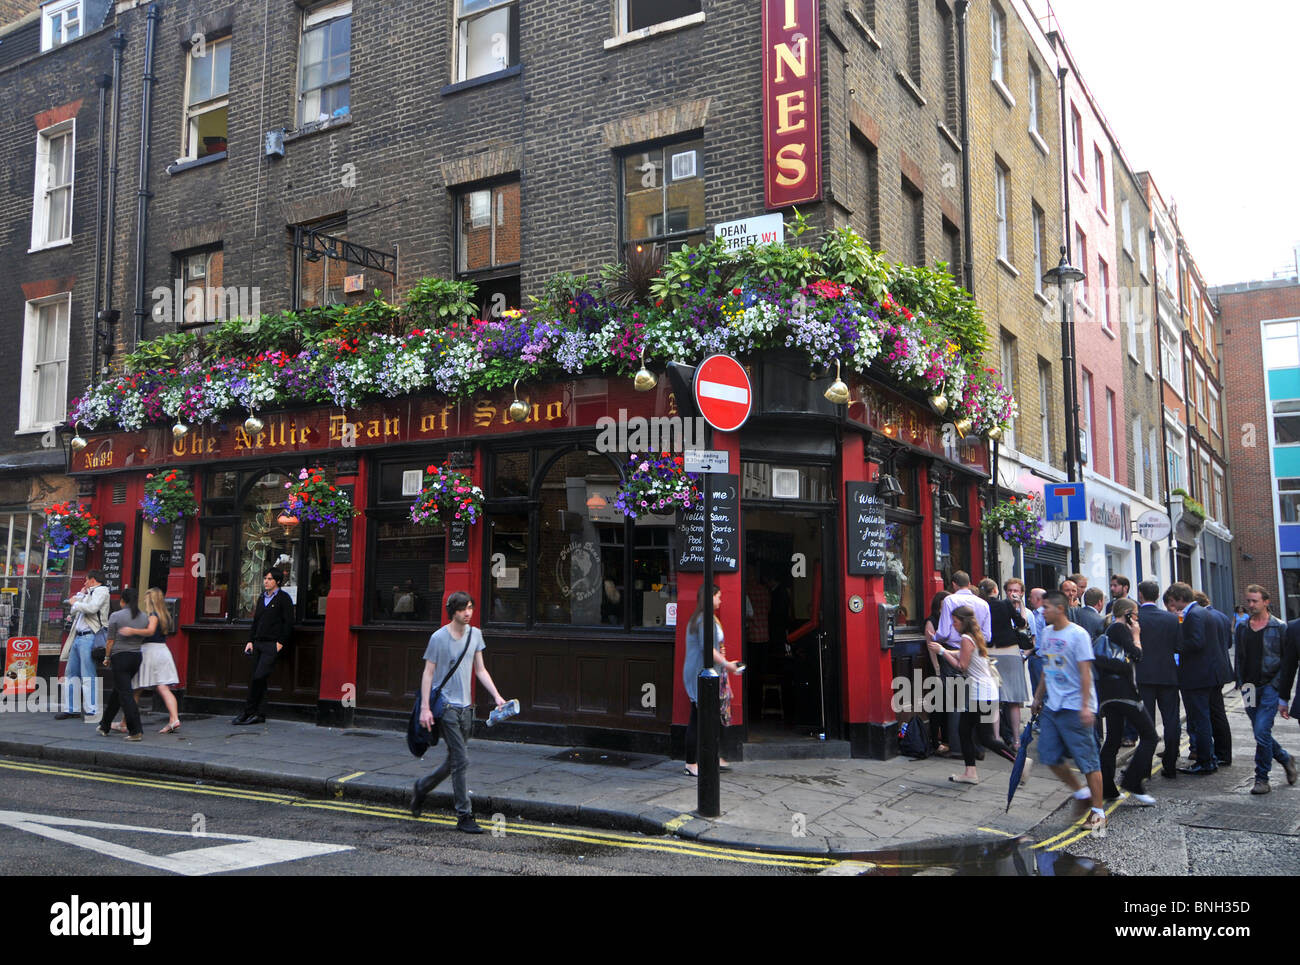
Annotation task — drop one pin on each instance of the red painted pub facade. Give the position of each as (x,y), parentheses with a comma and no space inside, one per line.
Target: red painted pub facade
(584,612)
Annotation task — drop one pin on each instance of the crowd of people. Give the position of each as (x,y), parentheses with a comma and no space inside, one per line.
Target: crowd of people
(1095,672)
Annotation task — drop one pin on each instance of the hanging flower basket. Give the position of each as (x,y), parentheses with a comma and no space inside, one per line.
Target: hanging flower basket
(447,497)
(168,498)
(656,484)
(1016,521)
(69,524)
(313,499)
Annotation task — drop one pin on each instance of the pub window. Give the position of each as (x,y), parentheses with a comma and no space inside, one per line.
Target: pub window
(639,14)
(34,582)
(954,529)
(662,192)
(320,272)
(406,568)
(242,537)
(903,549)
(488,254)
(565,556)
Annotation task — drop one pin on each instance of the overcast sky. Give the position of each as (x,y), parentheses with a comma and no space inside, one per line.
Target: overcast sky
(1205,96)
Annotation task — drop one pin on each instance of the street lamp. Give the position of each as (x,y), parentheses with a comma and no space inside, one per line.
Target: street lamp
(1065,276)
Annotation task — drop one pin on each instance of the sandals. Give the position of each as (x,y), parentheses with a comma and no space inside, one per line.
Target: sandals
(962,780)
(120,727)
(689,773)
(172,727)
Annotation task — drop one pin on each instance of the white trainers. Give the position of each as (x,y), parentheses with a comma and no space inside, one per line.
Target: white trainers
(1083,794)
(1142,800)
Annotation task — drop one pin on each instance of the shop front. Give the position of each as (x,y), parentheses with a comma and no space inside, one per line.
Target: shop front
(584,609)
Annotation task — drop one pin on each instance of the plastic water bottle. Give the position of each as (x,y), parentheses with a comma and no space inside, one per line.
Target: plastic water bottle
(508,709)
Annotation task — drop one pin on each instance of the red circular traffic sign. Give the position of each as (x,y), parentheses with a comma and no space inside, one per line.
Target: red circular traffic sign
(722,393)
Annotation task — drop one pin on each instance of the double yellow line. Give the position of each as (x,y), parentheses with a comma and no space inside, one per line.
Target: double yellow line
(670,846)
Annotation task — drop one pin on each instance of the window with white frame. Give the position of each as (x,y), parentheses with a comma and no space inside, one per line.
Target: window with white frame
(325,64)
(44,393)
(1008,359)
(206,105)
(1038,248)
(1099,161)
(205,298)
(1081,252)
(1126,227)
(52,201)
(487,37)
(488,245)
(1150,457)
(1035,87)
(1218,495)
(1129,302)
(1085,416)
(1112,426)
(1142,254)
(998,40)
(1200,391)
(1281,345)
(60,23)
(663,195)
(1214,411)
(1045,408)
(1076,139)
(1103,284)
(1001,176)
(1203,480)
(1175,451)
(1146,342)
(1171,360)
(1139,463)
(639,14)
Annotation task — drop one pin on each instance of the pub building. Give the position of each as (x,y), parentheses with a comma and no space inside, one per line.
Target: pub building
(584,611)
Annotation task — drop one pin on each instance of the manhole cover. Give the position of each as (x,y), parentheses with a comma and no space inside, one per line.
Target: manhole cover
(579,755)
(1269,820)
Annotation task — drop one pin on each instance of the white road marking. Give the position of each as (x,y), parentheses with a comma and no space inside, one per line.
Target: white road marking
(246,852)
(724,392)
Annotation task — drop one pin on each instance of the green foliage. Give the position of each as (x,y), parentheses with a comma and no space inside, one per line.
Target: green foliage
(785,265)
(629,283)
(170,351)
(687,271)
(1190,505)
(848,259)
(435,302)
(945,303)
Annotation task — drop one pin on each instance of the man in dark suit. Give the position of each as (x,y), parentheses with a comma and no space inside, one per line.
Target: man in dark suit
(269,634)
(1157,671)
(1218,712)
(1198,674)
(1089,615)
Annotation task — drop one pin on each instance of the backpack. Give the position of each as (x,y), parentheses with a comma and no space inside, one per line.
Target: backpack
(914,739)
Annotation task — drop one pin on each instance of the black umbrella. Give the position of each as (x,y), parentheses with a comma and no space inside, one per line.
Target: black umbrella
(1018,768)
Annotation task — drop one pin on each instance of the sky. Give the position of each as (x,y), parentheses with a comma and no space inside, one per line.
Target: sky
(1205,96)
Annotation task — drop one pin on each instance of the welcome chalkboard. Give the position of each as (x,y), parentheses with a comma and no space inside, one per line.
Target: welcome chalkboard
(114,548)
(866,537)
(458,542)
(343,531)
(178,544)
(726,528)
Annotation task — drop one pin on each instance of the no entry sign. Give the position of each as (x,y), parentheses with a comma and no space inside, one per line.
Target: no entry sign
(722,393)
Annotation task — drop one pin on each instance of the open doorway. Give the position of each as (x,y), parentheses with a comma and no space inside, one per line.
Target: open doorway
(789,686)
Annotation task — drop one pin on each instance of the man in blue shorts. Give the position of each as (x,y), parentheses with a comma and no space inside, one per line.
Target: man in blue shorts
(1066,718)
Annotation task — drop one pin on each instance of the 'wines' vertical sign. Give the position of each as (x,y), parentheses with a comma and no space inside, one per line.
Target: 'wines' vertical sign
(792,116)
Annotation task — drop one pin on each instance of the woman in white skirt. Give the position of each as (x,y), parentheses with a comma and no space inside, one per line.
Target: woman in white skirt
(157,668)
(1006,616)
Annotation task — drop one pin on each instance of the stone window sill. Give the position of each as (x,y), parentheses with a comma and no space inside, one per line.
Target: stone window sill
(856,19)
(654,30)
(176,167)
(307,130)
(912,89)
(950,137)
(1039,142)
(1008,267)
(473,82)
(1002,89)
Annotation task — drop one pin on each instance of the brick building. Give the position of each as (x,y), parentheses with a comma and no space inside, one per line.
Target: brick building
(1261,363)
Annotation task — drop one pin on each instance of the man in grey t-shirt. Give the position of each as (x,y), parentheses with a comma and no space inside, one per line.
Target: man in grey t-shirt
(445,647)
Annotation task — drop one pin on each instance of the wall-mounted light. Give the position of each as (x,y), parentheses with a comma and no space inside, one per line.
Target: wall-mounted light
(889,485)
(253,425)
(939,403)
(644,380)
(78,440)
(180,429)
(519,408)
(838,392)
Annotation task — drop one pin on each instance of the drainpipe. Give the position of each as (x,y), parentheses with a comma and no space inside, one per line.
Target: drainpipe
(105,319)
(103,82)
(142,193)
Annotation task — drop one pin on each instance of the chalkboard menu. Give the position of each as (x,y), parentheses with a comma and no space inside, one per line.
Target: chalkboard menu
(178,544)
(726,528)
(866,530)
(458,542)
(114,547)
(343,532)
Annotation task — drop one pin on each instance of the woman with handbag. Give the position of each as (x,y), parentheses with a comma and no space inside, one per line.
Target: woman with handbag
(1115,655)
(981,692)
(1005,622)
(692,667)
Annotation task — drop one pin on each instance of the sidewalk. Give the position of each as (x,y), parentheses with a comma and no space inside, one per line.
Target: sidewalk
(841,806)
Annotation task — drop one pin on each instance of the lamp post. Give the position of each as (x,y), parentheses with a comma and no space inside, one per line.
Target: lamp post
(1065,276)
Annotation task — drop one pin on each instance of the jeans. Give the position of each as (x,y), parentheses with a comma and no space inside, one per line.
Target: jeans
(1118,714)
(1197,703)
(456,725)
(1262,715)
(1165,696)
(81,677)
(124,666)
(1035,672)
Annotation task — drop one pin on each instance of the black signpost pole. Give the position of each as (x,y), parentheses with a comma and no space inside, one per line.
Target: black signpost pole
(709,801)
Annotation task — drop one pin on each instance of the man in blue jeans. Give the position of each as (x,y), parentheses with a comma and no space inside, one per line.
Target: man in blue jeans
(89,616)
(1067,703)
(1260,676)
(1039,624)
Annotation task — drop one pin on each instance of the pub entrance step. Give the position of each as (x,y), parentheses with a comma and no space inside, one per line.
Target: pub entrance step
(773,741)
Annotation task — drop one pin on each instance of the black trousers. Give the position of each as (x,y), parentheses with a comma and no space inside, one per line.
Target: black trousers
(1118,714)
(1165,696)
(1219,726)
(263,657)
(970,723)
(123,666)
